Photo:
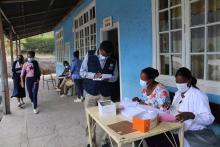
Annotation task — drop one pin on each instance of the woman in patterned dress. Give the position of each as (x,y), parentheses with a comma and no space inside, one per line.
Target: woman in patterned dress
(153,93)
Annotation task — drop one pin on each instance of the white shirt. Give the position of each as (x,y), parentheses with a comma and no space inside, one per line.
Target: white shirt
(89,75)
(196,102)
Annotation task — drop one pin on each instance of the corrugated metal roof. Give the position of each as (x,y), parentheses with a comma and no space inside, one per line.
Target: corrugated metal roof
(32,17)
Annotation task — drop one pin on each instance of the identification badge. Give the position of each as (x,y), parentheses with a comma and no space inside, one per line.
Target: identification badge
(111,67)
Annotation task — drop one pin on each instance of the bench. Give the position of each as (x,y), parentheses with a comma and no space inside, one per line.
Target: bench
(215,108)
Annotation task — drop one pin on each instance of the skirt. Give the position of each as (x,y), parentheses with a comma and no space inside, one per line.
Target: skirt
(18,91)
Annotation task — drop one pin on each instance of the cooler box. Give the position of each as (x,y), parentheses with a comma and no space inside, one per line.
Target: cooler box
(107,108)
(145,121)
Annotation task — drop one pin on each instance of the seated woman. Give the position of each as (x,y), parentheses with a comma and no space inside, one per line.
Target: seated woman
(191,107)
(66,72)
(153,93)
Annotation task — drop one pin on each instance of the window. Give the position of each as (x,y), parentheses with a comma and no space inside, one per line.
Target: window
(170,33)
(85,30)
(59,46)
(67,52)
(188,34)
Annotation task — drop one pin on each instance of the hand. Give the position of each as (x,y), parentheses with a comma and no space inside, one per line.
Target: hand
(36,82)
(142,103)
(98,75)
(183,116)
(135,99)
(22,85)
(166,106)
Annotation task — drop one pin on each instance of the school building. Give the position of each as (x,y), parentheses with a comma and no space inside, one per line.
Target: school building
(165,34)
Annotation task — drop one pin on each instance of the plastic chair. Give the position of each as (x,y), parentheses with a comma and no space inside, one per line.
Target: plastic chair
(48,78)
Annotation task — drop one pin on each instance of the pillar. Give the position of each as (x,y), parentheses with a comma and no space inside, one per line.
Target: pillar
(4,73)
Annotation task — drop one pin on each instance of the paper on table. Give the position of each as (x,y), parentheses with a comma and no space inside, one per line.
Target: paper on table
(104,76)
(130,112)
(126,104)
(148,115)
(163,116)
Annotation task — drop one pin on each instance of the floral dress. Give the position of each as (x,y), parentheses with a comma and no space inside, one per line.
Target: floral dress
(157,98)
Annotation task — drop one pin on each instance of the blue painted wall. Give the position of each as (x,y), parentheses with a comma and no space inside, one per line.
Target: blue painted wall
(135,37)
(67,25)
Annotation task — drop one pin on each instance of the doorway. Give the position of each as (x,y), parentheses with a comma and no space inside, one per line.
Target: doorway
(112,36)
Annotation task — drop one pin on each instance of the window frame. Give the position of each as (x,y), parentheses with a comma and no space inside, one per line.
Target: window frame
(59,36)
(207,86)
(85,26)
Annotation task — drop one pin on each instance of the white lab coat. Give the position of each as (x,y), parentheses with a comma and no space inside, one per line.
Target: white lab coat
(196,102)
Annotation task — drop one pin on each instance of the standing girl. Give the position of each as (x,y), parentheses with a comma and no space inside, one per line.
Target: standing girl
(18,91)
(31,71)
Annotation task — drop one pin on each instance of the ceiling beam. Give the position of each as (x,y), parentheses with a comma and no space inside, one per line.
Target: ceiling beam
(35,27)
(16,1)
(6,18)
(35,22)
(38,13)
(51,3)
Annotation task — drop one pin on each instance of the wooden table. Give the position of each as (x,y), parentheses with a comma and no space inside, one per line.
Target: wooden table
(92,114)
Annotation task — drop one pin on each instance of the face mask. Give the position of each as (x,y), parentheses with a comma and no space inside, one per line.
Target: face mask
(102,57)
(143,83)
(182,87)
(67,66)
(29,59)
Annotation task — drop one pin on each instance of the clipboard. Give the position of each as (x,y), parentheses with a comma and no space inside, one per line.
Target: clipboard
(122,128)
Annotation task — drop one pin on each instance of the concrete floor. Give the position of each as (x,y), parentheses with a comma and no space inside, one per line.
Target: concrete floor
(60,123)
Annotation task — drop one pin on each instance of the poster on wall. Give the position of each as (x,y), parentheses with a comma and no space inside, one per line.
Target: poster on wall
(107,22)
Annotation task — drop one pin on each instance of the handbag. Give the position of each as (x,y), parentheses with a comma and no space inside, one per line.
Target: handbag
(69,83)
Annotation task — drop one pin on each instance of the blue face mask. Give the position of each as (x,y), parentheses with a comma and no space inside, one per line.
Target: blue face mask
(143,83)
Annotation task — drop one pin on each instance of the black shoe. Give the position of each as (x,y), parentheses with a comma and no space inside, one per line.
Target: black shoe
(106,145)
(88,145)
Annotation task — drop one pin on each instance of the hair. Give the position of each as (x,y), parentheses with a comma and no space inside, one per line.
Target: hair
(65,62)
(21,56)
(107,46)
(76,54)
(186,73)
(31,53)
(150,72)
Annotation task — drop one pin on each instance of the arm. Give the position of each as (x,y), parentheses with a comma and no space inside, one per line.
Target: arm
(13,67)
(73,67)
(37,71)
(23,75)
(164,100)
(203,115)
(84,70)
(200,114)
(115,74)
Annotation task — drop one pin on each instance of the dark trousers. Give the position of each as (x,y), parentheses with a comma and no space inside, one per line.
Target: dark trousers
(160,140)
(79,87)
(32,88)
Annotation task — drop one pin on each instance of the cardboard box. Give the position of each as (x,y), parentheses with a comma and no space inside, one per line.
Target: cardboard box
(145,121)
(107,108)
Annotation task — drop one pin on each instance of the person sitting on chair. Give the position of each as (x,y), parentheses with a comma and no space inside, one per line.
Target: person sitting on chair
(65,73)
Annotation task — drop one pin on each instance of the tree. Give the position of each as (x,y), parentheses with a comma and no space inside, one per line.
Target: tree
(43,43)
